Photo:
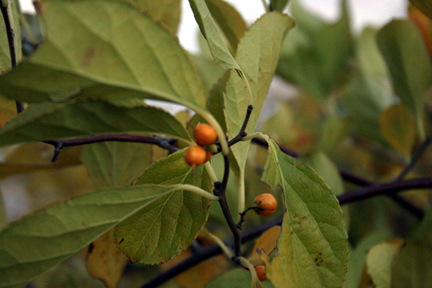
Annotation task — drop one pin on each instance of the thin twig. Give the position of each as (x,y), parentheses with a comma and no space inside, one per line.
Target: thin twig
(165,143)
(384,189)
(415,158)
(219,190)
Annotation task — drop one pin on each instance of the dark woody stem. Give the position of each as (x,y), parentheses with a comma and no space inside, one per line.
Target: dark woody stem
(165,143)
(10,37)
(220,189)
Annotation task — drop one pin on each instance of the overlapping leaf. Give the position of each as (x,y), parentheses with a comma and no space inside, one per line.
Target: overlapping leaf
(210,31)
(412,268)
(314,54)
(5,56)
(45,238)
(278,5)
(229,20)
(313,247)
(257,54)
(369,93)
(166,12)
(109,51)
(398,127)
(167,226)
(409,64)
(47,121)
(113,163)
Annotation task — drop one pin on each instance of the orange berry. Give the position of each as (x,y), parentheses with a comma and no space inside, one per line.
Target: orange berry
(260,270)
(208,156)
(268,204)
(195,156)
(204,134)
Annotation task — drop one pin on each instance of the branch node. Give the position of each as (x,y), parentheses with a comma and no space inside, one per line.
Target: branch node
(57,148)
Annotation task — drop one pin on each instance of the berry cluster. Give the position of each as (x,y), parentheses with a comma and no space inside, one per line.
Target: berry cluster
(197,155)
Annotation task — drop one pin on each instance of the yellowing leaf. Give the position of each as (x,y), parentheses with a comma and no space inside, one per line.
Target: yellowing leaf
(104,261)
(312,250)
(266,243)
(165,12)
(408,61)
(398,127)
(380,260)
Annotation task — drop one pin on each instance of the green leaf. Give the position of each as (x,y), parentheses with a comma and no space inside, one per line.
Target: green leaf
(5,57)
(168,226)
(334,131)
(412,268)
(279,5)
(116,163)
(408,62)
(47,121)
(313,247)
(370,59)
(313,56)
(380,261)
(47,237)
(325,167)
(229,20)
(398,127)
(235,278)
(357,257)
(208,71)
(366,98)
(210,31)
(109,51)
(257,54)
(165,12)
(423,5)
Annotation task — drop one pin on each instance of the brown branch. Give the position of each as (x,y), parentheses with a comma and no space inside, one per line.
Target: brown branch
(163,142)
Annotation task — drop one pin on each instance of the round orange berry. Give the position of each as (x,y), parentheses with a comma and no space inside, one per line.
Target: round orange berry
(204,134)
(260,270)
(195,156)
(266,203)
